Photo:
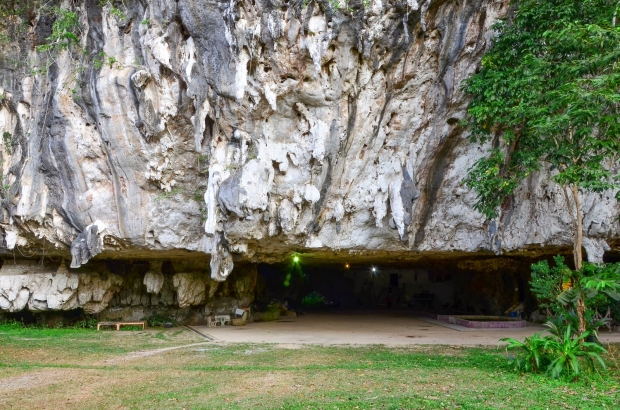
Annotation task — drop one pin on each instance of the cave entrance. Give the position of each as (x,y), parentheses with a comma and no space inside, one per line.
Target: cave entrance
(309,300)
(483,286)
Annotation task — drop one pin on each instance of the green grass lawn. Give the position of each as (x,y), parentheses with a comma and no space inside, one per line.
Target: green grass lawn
(86,369)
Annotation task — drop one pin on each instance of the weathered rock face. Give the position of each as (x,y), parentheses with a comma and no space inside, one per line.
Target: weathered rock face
(124,290)
(248,130)
(39,288)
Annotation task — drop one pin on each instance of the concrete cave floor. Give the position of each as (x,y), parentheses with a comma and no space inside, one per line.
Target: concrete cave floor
(389,328)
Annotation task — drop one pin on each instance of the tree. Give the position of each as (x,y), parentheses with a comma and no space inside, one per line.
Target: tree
(546,283)
(588,282)
(547,97)
(558,286)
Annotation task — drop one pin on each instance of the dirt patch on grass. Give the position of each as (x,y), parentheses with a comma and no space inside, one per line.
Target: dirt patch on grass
(145,353)
(277,384)
(36,379)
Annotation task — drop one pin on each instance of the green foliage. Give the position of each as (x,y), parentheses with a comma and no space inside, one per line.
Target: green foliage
(15,20)
(65,35)
(335,4)
(569,351)
(85,324)
(199,194)
(603,278)
(569,320)
(533,355)
(9,142)
(117,13)
(597,284)
(99,60)
(546,283)
(157,320)
(591,280)
(565,350)
(102,58)
(65,31)
(114,11)
(313,299)
(556,355)
(75,94)
(145,22)
(547,95)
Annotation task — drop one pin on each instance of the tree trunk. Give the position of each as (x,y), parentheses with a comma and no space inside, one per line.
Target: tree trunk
(578,257)
(581,310)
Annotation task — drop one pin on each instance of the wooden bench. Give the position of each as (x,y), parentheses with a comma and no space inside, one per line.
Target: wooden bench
(119,324)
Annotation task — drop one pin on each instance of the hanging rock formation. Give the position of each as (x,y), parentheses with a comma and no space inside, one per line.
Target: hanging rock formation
(244,131)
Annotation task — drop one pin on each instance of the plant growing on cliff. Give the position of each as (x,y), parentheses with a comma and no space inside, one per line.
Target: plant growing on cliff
(14,16)
(547,99)
(9,142)
(64,37)
(65,31)
(115,11)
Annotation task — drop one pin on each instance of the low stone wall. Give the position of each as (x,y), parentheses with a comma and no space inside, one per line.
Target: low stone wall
(504,323)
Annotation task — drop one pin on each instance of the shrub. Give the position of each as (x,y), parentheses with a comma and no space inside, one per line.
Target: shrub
(546,283)
(562,353)
(85,324)
(65,31)
(534,354)
(313,299)
(12,324)
(558,325)
(159,320)
(568,351)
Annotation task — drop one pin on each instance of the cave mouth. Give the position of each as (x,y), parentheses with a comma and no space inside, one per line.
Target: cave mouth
(477,286)
(346,283)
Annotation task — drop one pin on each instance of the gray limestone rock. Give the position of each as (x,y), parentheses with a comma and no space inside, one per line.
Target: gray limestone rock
(154,278)
(87,245)
(191,288)
(238,128)
(27,284)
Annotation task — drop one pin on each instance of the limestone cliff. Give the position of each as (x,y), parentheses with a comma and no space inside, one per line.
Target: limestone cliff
(250,130)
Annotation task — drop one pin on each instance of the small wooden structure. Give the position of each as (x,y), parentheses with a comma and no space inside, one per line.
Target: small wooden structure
(119,324)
